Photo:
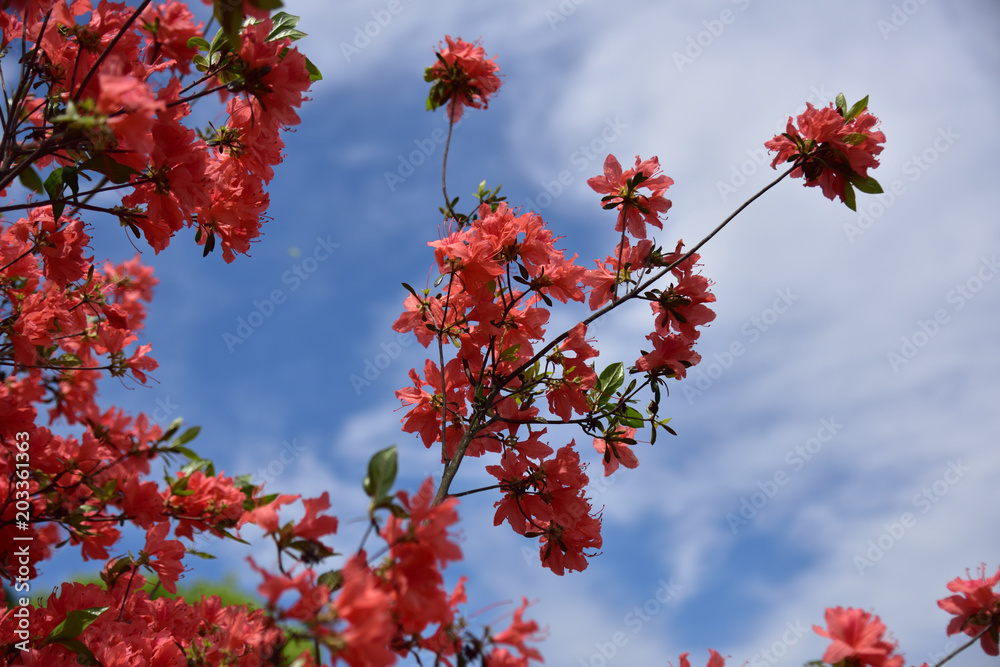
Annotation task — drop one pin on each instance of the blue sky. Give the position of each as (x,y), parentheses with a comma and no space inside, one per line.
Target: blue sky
(835,445)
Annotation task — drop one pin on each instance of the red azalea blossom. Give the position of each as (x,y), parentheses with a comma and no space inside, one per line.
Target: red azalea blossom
(313,526)
(831,152)
(169,26)
(516,635)
(635,211)
(975,608)
(714,659)
(615,451)
(465,78)
(857,634)
(167,553)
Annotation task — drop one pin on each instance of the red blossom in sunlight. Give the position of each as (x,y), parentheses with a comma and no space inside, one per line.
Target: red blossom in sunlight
(313,526)
(165,555)
(615,449)
(976,607)
(516,634)
(621,188)
(714,659)
(831,149)
(463,77)
(169,26)
(857,634)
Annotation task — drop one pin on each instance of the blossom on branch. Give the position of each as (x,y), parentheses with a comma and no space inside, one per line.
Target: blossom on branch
(857,634)
(621,188)
(976,607)
(832,147)
(463,78)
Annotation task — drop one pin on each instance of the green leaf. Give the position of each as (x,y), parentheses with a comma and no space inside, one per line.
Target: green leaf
(867,185)
(199,43)
(858,107)
(854,138)
(175,426)
(841,103)
(54,184)
(332,579)
(187,436)
(190,454)
(230,17)
(75,622)
(314,73)
(849,197)
(381,473)
(632,418)
(610,380)
(219,42)
(270,5)
(30,179)
(283,25)
(204,465)
(226,533)
(116,172)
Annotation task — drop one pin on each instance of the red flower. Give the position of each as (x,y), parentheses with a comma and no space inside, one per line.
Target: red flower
(312,526)
(464,78)
(367,610)
(714,659)
(621,188)
(168,27)
(266,516)
(519,632)
(832,149)
(420,547)
(672,354)
(168,554)
(857,634)
(616,449)
(977,607)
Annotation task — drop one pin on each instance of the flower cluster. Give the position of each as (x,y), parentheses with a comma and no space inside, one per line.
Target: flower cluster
(832,147)
(502,273)
(857,635)
(462,77)
(976,608)
(101,99)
